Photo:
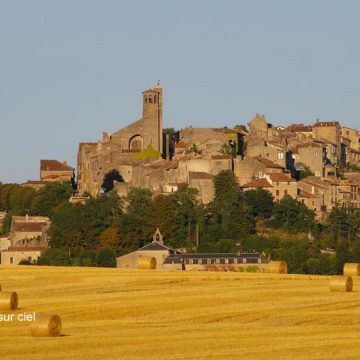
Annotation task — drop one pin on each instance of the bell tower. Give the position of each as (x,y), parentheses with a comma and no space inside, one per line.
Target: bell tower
(153,117)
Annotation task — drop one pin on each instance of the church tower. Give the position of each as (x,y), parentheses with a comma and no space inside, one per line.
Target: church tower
(153,117)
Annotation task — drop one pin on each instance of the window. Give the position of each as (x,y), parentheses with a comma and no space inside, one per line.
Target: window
(285,192)
(208,261)
(11,260)
(217,261)
(226,261)
(277,192)
(280,155)
(190,261)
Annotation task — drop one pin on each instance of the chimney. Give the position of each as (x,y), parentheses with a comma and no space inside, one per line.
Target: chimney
(65,162)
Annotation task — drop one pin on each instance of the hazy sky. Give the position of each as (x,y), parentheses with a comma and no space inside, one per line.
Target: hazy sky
(72,69)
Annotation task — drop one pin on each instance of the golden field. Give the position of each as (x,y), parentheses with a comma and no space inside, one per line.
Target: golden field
(143,314)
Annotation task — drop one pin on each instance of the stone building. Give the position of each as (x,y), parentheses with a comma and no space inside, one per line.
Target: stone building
(204,183)
(54,170)
(271,150)
(310,155)
(28,239)
(330,131)
(124,148)
(165,257)
(353,135)
(279,184)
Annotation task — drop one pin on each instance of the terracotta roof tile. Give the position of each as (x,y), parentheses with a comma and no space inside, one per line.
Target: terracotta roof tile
(281,178)
(299,128)
(182,144)
(54,165)
(258,183)
(28,226)
(24,249)
(326,123)
(305,194)
(268,163)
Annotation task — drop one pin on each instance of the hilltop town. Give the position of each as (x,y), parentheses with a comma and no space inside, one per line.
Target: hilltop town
(311,169)
(317,164)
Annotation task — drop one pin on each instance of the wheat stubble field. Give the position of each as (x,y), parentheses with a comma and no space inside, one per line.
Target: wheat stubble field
(141,314)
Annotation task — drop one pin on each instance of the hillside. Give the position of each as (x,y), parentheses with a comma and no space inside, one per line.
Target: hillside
(113,314)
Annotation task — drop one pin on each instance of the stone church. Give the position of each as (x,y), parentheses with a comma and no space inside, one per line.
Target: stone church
(117,150)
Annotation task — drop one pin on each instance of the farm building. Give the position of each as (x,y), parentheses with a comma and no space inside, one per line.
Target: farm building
(28,239)
(157,255)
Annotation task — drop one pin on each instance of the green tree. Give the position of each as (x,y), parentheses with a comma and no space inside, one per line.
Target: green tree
(135,225)
(229,210)
(260,202)
(106,257)
(54,257)
(293,216)
(186,217)
(163,212)
(110,238)
(47,199)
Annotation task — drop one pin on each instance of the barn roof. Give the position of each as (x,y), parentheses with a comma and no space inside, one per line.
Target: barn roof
(158,246)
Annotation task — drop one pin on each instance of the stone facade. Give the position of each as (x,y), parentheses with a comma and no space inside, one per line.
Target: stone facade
(28,239)
(53,170)
(330,131)
(118,150)
(310,155)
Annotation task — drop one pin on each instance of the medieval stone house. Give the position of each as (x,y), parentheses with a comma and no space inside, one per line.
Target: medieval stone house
(28,239)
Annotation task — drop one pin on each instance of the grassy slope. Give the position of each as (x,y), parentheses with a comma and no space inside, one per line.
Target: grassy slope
(113,314)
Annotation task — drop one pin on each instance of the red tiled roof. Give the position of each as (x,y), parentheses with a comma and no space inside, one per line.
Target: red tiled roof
(182,144)
(258,183)
(54,165)
(281,178)
(299,128)
(24,249)
(28,226)
(305,194)
(314,183)
(53,176)
(326,123)
(268,163)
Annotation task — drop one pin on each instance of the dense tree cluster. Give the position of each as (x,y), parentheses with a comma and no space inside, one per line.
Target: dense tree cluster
(94,233)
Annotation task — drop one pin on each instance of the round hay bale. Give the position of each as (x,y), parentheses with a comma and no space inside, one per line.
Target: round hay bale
(341,283)
(46,325)
(351,269)
(277,267)
(146,263)
(8,300)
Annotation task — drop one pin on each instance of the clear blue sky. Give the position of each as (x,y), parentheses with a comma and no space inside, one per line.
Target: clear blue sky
(71,69)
